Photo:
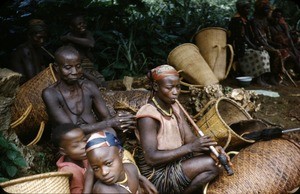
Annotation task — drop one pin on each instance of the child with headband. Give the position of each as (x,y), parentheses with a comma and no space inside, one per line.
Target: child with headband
(114,172)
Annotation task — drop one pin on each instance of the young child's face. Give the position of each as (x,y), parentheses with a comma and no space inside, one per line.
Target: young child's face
(73,144)
(106,163)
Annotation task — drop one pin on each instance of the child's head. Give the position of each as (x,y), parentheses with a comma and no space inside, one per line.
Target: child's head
(105,154)
(71,141)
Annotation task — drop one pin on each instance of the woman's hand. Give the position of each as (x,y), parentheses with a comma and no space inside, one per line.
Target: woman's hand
(202,144)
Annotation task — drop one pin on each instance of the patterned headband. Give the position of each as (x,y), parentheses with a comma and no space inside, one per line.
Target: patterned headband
(102,139)
(163,71)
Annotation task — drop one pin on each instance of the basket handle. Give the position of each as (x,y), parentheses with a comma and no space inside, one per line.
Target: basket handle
(187,84)
(230,61)
(23,117)
(217,57)
(201,112)
(39,135)
(228,140)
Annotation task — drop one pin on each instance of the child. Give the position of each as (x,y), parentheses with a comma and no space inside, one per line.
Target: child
(71,141)
(114,173)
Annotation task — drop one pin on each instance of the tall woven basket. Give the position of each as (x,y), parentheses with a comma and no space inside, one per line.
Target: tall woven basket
(29,114)
(217,120)
(266,167)
(212,44)
(52,182)
(186,57)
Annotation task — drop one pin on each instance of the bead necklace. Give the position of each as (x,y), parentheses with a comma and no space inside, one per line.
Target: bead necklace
(122,182)
(161,109)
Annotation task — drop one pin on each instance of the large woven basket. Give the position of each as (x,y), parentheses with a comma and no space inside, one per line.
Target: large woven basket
(217,120)
(52,182)
(187,58)
(212,44)
(28,110)
(266,167)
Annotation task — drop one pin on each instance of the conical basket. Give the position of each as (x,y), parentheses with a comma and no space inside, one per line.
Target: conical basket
(186,57)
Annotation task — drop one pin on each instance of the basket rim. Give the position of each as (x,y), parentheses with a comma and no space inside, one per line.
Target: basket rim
(36,176)
(177,47)
(227,126)
(213,27)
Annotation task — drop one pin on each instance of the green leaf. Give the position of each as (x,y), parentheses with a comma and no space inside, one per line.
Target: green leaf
(118,65)
(11,154)
(4,143)
(20,161)
(11,170)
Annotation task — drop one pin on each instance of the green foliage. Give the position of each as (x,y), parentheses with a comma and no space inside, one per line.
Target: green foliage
(11,159)
(132,36)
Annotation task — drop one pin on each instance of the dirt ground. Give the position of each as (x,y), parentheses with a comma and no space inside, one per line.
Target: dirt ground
(283,110)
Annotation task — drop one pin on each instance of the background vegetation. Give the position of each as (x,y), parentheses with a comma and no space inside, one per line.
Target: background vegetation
(131,35)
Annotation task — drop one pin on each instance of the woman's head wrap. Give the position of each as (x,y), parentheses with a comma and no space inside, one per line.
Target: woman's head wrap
(102,139)
(163,71)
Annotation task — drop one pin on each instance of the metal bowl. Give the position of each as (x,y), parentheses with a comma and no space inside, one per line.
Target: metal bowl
(244,81)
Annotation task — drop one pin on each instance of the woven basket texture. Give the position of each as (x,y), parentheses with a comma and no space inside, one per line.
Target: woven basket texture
(216,121)
(187,57)
(52,182)
(207,40)
(31,93)
(131,100)
(266,167)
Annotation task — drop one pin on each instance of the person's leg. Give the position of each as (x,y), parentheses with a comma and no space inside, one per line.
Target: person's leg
(200,170)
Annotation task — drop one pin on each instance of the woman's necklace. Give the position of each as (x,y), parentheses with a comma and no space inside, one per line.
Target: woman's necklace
(169,114)
(82,101)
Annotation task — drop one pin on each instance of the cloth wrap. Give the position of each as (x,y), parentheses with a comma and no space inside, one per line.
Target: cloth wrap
(102,139)
(163,71)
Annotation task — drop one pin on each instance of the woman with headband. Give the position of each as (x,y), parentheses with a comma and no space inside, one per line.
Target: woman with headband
(172,157)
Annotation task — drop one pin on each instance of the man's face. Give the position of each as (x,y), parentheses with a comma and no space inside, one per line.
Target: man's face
(79,25)
(38,38)
(69,67)
(106,163)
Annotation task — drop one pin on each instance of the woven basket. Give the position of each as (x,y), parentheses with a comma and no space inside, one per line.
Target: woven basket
(28,111)
(187,58)
(52,182)
(216,123)
(212,45)
(266,167)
